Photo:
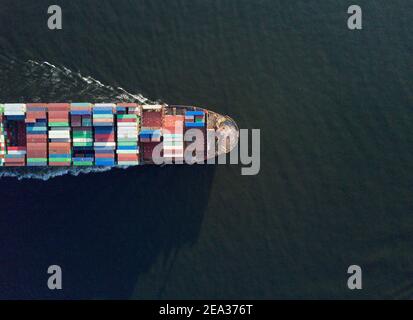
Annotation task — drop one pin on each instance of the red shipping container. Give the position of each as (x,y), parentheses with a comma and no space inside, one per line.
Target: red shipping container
(105,155)
(36,139)
(59,148)
(127,157)
(35,105)
(15,164)
(36,146)
(60,164)
(104,138)
(37,154)
(105,135)
(59,119)
(58,114)
(127,120)
(36,114)
(152,119)
(58,106)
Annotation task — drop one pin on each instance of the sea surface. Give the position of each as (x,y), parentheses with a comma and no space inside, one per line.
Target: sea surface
(335,188)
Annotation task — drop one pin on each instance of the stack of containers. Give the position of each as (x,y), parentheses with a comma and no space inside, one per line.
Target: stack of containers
(150,134)
(128,125)
(129,108)
(60,147)
(152,119)
(16,156)
(15,111)
(195,119)
(105,144)
(16,153)
(2,137)
(36,134)
(151,123)
(80,116)
(173,137)
(121,108)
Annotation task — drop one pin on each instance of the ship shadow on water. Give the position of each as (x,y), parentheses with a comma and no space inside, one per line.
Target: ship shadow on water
(104,230)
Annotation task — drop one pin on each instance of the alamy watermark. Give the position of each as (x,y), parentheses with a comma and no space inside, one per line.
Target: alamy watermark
(355,21)
(54,282)
(55,21)
(213,147)
(355,281)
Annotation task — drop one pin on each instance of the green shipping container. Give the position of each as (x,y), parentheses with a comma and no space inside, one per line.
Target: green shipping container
(60,159)
(58,124)
(83,163)
(83,144)
(126,144)
(127,139)
(82,135)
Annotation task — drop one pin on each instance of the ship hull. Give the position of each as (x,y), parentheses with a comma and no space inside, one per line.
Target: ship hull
(105,134)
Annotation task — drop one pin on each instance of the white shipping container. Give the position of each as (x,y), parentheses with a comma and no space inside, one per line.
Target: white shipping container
(17,152)
(15,107)
(14,113)
(133,127)
(131,133)
(127,151)
(152,107)
(83,140)
(127,130)
(59,134)
(127,124)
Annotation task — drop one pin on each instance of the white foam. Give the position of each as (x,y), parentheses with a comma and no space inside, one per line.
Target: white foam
(50,172)
(61,80)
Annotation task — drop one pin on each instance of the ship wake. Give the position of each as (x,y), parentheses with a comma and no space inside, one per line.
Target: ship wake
(34,81)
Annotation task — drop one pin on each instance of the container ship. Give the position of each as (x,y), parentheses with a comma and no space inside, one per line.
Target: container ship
(107,134)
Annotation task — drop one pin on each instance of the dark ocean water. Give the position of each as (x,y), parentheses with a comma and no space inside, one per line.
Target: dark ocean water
(335,187)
